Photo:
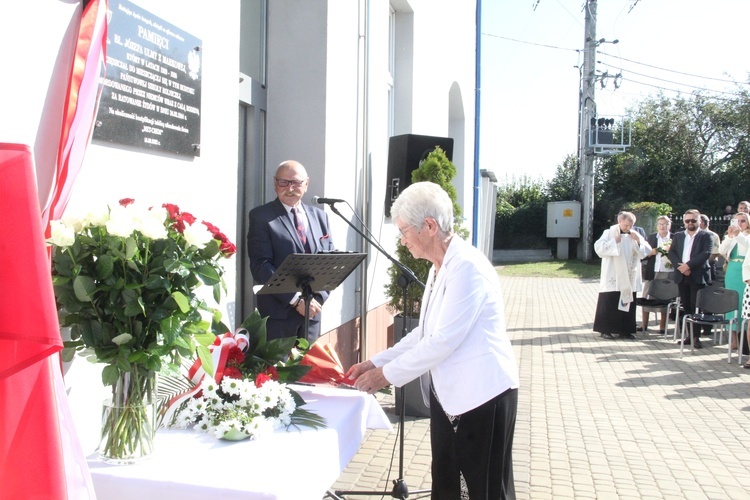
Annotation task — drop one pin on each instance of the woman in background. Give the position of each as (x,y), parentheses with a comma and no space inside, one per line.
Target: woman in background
(734,249)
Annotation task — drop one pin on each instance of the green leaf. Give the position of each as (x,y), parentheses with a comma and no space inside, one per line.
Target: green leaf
(84,287)
(170,328)
(122,360)
(123,338)
(110,375)
(204,339)
(208,274)
(182,302)
(131,248)
(205,356)
(104,266)
(69,352)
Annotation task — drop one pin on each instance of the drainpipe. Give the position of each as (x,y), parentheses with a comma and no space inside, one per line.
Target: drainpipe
(477,107)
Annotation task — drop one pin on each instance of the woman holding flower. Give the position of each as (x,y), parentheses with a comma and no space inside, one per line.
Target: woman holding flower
(733,249)
(657,265)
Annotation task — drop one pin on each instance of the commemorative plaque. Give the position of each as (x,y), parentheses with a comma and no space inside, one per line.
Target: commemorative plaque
(151,98)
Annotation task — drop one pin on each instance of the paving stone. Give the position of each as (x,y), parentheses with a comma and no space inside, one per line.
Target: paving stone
(597,418)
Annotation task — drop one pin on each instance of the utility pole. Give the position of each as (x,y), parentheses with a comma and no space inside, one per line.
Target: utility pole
(587,111)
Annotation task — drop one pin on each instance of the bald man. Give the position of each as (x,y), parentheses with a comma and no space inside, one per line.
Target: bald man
(277,229)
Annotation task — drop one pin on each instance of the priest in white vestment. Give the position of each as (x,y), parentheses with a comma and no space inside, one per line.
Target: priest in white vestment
(621,250)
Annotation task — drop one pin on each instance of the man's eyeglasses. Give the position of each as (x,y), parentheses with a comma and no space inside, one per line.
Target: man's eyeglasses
(690,221)
(289,182)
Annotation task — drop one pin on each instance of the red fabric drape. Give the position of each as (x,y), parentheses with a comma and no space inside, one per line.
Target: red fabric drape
(80,109)
(31,457)
(326,366)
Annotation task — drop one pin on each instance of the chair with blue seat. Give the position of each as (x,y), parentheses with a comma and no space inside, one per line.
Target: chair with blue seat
(711,308)
(664,297)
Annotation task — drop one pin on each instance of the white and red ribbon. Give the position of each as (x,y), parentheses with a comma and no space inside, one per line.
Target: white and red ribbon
(219,354)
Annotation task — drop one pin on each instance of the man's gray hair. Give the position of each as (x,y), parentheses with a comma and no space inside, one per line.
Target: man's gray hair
(421,200)
(626,215)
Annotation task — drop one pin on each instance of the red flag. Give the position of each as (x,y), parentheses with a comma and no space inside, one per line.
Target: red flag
(31,457)
(82,100)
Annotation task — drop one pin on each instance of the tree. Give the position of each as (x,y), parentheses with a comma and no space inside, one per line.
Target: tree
(439,169)
(564,185)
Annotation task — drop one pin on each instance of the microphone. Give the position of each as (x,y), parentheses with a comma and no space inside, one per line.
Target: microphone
(326,201)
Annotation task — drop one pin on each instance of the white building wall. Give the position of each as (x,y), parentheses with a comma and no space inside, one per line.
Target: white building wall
(316,113)
(323,58)
(30,113)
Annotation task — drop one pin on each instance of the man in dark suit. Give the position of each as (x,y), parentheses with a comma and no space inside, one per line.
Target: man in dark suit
(277,229)
(689,255)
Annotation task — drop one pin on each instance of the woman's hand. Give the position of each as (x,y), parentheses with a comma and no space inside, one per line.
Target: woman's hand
(355,371)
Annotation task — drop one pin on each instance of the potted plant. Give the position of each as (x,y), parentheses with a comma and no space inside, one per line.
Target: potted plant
(439,169)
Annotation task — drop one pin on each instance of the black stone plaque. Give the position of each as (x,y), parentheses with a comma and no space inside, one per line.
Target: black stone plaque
(151,97)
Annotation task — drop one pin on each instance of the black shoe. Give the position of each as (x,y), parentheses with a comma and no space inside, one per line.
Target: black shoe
(627,336)
(683,342)
(607,336)
(640,329)
(697,344)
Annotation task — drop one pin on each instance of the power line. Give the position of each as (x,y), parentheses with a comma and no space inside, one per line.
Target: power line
(617,57)
(676,91)
(669,81)
(672,70)
(530,43)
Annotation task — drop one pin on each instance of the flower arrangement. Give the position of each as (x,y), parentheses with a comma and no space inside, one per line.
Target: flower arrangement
(125,279)
(663,251)
(247,396)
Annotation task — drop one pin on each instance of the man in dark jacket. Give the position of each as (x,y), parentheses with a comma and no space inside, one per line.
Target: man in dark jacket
(689,254)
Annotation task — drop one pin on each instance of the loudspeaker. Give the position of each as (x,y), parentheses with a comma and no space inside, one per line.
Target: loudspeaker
(413,401)
(405,153)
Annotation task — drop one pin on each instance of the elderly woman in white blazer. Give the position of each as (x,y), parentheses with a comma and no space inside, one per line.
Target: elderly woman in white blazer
(460,351)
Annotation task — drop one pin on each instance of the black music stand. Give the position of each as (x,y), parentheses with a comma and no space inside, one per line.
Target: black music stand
(311,272)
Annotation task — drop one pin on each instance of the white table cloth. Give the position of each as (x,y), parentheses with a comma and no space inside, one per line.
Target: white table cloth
(295,464)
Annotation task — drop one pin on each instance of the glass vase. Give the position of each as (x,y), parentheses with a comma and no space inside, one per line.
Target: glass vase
(129,418)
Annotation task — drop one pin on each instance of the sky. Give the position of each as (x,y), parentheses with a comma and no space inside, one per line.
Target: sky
(530,81)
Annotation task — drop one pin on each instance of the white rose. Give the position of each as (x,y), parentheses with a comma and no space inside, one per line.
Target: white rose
(61,234)
(97,217)
(152,224)
(73,222)
(121,221)
(197,234)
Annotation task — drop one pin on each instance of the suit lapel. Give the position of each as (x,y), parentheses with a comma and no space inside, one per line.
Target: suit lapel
(316,232)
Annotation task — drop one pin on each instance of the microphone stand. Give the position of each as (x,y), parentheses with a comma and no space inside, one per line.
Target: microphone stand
(400,489)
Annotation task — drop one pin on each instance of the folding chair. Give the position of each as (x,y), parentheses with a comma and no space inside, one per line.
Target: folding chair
(741,334)
(664,297)
(716,302)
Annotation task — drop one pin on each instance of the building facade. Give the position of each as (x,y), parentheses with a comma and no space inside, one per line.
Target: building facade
(324,82)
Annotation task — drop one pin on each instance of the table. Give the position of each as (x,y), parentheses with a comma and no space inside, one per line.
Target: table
(295,464)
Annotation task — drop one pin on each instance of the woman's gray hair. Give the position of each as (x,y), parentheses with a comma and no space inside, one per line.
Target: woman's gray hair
(421,200)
